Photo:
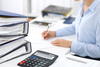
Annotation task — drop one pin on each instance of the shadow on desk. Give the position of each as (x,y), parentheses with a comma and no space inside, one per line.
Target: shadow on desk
(87,57)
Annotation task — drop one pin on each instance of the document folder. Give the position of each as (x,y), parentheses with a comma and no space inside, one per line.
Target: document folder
(10,14)
(6,40)
(14,29)
(8,56)
(69,20)
(57,11)
(8,21)
(5,48)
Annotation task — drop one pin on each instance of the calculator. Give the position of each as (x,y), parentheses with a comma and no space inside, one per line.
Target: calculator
(39,59)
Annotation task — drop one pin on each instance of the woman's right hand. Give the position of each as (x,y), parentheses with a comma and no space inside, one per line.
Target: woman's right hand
(48,34)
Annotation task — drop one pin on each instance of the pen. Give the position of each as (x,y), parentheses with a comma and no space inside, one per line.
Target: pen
(48,27)
(47,30)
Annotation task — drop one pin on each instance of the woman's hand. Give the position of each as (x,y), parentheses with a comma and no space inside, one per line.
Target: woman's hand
(62,43)
(48,34)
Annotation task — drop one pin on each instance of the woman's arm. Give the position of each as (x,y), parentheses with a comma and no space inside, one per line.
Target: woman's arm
(70,30)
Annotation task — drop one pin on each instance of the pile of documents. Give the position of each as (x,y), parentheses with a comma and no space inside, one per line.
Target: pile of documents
(12,36)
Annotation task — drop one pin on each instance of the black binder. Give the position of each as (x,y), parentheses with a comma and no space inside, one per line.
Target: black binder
(12,39)
(18,37)
(23,33)
(57,10)
(28,49)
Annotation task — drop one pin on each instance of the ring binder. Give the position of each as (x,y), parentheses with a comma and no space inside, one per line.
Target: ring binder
(22,29)
(12,40)
(10,14)
(27,46)
(12,34)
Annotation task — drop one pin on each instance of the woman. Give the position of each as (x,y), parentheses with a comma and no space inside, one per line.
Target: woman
(87,29)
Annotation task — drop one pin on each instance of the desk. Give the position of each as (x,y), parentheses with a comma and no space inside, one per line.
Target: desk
(39,44)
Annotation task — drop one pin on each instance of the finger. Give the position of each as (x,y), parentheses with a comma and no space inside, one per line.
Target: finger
(55,42)
(44,34)
(46,38)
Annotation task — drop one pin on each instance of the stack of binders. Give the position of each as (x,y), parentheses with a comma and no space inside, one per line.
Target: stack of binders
(12,37)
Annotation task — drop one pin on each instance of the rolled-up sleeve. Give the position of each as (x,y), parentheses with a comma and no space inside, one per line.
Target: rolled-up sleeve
(66,31)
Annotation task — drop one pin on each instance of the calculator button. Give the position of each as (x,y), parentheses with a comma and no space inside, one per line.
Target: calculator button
(27,65)
(33,57)
(36,66)
(22,62)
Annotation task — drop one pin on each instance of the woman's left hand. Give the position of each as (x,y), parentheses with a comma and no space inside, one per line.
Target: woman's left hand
(62,43)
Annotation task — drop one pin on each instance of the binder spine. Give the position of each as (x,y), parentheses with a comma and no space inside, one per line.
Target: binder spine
(26,28)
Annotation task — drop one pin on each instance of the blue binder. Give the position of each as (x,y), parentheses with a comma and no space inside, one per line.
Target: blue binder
(69,20)
(10,14)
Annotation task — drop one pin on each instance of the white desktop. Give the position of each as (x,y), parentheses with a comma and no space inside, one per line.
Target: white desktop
(38,43)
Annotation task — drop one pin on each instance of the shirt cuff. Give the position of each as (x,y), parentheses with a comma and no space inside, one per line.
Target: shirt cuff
(58,34)
(74,46)
(78,48)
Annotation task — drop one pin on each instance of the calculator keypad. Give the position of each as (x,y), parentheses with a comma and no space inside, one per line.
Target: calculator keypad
(34,61)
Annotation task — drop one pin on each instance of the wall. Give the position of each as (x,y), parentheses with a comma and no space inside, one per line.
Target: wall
(38,5)
(22,6)
(12,5)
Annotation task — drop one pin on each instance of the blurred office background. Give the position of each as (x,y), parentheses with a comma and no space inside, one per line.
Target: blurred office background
(34,7)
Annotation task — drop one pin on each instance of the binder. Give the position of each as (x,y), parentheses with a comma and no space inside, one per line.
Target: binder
(4,48)
(10,14)
(17,28)
(8,21)
(69,20)
(12,38)
(7,40)
(56,11)
(7,56)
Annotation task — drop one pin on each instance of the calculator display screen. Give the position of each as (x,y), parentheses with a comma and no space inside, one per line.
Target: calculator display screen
(45,55)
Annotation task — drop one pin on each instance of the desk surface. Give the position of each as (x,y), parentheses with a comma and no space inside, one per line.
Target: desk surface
(38,43)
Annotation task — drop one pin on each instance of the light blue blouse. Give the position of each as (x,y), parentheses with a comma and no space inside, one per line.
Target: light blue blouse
(87,30)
